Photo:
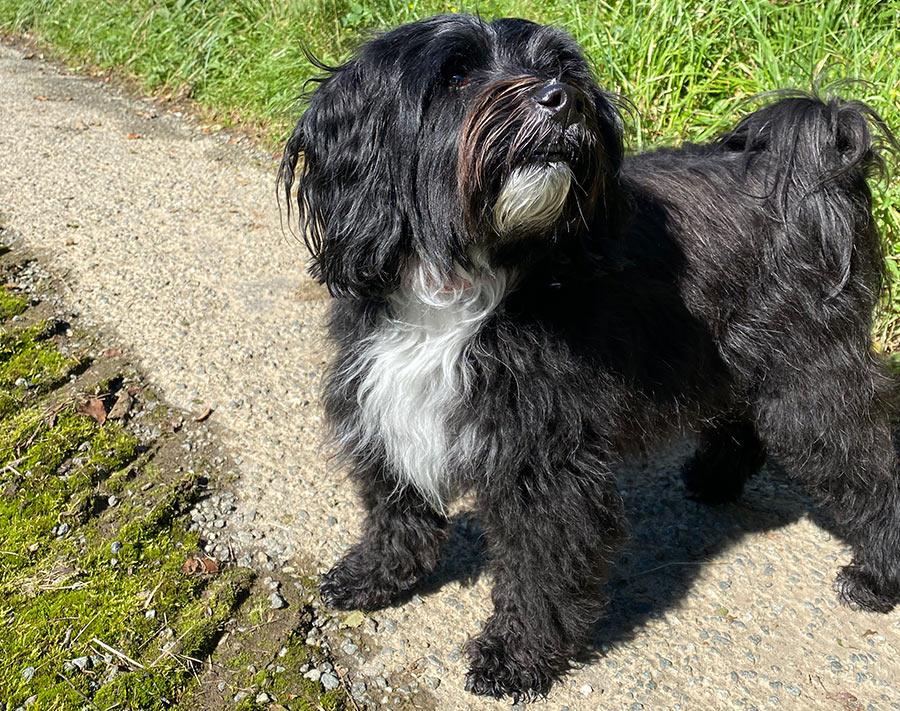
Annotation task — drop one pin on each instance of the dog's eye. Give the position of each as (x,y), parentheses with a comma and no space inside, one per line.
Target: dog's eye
(458,80)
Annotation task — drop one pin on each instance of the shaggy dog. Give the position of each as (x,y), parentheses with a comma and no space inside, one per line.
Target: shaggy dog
(518,307)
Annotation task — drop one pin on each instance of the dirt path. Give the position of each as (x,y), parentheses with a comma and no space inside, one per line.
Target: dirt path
(170,240)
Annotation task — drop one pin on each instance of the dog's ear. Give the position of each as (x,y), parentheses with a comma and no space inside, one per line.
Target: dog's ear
(352,213)
(610,208)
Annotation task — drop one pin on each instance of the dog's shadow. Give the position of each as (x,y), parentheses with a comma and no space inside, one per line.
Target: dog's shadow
(671,538)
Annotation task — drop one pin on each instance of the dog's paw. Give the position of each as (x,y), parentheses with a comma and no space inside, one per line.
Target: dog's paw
(856,589)
(495,671)
(352,586)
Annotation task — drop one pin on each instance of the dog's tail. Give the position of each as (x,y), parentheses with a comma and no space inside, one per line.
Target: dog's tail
(813,157)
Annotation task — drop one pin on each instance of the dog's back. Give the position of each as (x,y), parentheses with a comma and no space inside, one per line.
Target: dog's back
(771,220)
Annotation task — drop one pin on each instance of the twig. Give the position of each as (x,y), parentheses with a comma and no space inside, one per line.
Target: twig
(669,565)
(84,628)
(119,654)
(76,689)
(152,593)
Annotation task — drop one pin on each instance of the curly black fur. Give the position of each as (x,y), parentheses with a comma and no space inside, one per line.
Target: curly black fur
(723,290)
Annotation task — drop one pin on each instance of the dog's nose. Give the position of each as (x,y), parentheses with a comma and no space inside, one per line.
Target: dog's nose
(561,100)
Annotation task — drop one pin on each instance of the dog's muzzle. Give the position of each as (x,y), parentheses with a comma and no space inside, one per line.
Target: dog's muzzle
(561,103)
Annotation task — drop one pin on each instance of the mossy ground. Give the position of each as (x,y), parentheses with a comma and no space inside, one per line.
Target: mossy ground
(96,609)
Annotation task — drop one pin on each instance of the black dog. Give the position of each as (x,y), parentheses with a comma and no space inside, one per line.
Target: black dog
(518,307)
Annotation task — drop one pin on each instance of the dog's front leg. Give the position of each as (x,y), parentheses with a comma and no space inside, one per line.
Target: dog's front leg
(550,537)
(401,543)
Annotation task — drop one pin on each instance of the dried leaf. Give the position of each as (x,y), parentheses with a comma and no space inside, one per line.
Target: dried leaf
(133,136)
(12,285)
(122,406)
(199,564)
(80,126)
(354,619)
(205,415)
(93,408)
(40,98)
(110,352)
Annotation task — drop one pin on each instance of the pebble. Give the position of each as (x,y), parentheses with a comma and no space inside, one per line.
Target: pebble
(349,648)
(82,663)
(358,689)
(329,681)
(586,690)
(313,674)
(28,674)
(276,602)
(62,529)
(115,547)
(240,696)
(263,698)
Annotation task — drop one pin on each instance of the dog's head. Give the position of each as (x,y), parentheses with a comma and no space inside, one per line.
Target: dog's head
(448,135)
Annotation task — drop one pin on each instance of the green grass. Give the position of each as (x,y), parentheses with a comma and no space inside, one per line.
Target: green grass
(688,67)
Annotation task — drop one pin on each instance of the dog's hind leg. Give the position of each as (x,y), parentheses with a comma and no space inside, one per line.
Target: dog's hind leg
(550,537)
(401,543)
(728,454)
(829,426)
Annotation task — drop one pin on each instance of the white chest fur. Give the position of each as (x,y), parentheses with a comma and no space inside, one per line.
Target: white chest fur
(414,375)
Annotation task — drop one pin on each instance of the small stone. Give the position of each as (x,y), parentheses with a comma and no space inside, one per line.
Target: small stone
(313,674)
(62,529)
(82,663)
(276,602)
(586,690)
(263,698)
(115,547)
(329,681)
(150,614)
(112,500)
(30,700)
(240,696)
(221,686)
(22,383)
(28,674)
(358,689)
(349,648)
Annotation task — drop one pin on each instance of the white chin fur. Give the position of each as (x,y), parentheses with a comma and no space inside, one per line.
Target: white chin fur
(532,197)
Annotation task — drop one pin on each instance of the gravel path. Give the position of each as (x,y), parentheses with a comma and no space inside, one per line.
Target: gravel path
(169,240)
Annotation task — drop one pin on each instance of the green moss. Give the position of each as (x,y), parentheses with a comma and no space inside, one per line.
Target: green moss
(11,304)
(30,353)
(196,631)
(258,607)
